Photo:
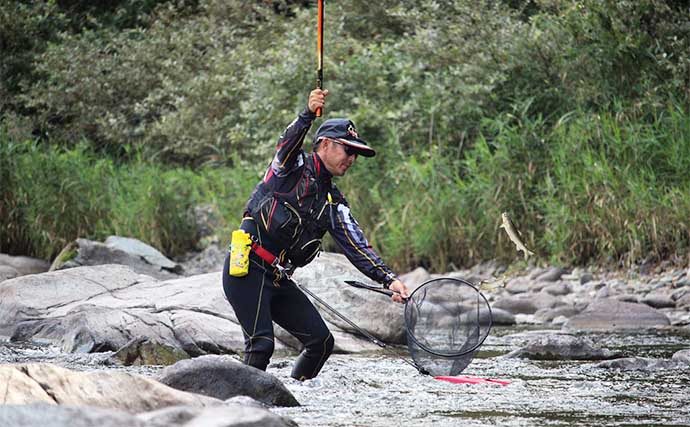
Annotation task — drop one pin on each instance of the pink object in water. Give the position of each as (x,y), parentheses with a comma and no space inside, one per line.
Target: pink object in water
(471,380)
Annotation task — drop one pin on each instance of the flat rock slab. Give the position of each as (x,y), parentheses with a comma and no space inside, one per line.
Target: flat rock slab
(44,382)
(224,377)
(611,314)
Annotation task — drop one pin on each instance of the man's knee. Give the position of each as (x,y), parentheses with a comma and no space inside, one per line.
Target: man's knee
(258,352)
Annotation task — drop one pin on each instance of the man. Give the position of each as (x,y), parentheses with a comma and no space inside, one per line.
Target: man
(286,216)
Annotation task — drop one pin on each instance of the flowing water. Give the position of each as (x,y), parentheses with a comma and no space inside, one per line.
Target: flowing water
(381,390)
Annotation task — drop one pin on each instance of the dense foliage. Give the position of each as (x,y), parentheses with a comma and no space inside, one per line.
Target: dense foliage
(572,115)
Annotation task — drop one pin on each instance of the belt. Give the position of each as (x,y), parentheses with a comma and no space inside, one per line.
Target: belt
(284,269)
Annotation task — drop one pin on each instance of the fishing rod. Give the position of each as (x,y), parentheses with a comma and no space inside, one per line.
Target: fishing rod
(319,52)
(361,331)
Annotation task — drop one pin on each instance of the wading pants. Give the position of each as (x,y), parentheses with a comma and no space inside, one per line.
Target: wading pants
(259,299)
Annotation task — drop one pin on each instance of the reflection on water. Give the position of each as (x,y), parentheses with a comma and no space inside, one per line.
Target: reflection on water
(377,390)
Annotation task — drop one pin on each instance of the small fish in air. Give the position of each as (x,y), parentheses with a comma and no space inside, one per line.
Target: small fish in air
(514,234)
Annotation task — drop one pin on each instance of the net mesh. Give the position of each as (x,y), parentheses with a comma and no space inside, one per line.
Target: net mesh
(447,320)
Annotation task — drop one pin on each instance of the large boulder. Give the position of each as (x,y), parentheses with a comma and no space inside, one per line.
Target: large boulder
(611,314)
(22,265)
(228,415)
(527,303)
(42,382)
(133,253)
(373,312)
(224,377)
(561,347)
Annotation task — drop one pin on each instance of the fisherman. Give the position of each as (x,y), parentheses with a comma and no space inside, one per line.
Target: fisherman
(287,215)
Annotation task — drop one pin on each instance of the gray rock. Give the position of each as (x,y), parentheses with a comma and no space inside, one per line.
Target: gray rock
(527,303)
(561,347)
(8,272)
(373,312)
(549,314)
(609,314)
(553,274)
(558,289)
(51,415)
(24,265)
(658,300)
(642,364)
(224,377)
(682,355)
(43,382)
(415,277)
(502,317)
(586,277)
(684,301)
(145,351)
(228,415)
(136,255)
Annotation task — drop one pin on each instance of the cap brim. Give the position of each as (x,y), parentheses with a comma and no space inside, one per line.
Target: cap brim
(359,146)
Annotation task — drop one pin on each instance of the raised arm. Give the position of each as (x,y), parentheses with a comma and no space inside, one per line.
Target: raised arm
(290,143)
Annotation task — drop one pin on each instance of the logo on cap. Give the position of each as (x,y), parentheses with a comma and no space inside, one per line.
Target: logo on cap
(352,131)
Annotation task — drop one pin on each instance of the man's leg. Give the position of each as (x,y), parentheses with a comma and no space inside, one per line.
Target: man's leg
(295,313)
(251,301)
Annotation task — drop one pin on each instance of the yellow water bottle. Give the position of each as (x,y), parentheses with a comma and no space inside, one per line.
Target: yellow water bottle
(240,246)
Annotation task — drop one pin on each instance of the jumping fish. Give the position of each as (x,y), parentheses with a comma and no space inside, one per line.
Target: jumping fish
(514,234)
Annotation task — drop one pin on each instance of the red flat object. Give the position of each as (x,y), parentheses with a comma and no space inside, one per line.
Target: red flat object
(471,380)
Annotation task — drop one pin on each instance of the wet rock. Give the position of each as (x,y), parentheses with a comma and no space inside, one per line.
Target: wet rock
(502,317)
(224,377)
(137,255)
(658,300)
(561,347)
(24,265)
(610,314)
(642,364)
(145,351)
(682,355)
(44,382)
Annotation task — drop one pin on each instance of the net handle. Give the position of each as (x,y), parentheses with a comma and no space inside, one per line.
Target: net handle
(384,291)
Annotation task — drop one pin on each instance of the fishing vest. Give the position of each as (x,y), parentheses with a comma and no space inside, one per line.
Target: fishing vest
(294,211)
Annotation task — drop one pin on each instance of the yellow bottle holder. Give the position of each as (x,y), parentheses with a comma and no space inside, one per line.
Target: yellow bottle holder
(240,246)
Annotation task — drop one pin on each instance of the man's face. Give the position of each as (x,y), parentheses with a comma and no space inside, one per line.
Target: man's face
(335,157)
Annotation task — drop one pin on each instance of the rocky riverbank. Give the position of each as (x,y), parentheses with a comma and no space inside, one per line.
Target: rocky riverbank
(147,310)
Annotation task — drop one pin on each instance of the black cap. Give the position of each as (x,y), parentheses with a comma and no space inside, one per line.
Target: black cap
(344,131)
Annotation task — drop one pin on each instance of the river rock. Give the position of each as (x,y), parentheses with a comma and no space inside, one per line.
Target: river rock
(24,265)
(415,278)
(137,255)
(44,382)
(527,303)
(642,364)
(88,309)
(228,415)
(502,317)
(224,377)
(549,314)
(682,355)
(558,289)
(561,347)
(658,300)
(373,312)
(146,351)
(7,272)
(553,274)
(611,314)
(47,415)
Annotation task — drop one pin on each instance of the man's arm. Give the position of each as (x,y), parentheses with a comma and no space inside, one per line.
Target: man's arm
(290,143)
(349,236)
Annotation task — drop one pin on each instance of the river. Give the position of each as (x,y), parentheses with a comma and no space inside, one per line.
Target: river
(381,390)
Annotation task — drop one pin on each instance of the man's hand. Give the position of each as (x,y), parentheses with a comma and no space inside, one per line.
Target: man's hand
(402,292)
(317,98)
